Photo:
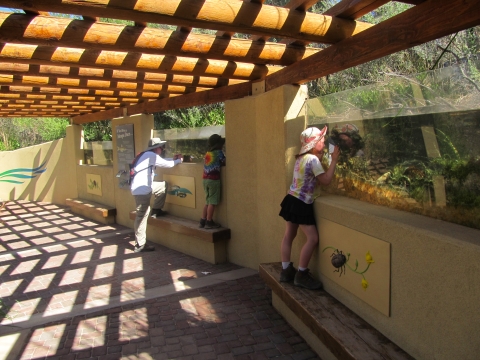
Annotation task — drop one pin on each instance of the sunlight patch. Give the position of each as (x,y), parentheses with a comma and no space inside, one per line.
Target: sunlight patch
(61,303)
(21,310)
(132,289)
(73,277)
(104,270)
(133,324)
(108,251)
(90,333)
(54,261)
(82,256)
(132,265)
(98,296)
(25,267)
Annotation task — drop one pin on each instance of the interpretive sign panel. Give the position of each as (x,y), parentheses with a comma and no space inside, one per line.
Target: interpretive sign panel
(125,152)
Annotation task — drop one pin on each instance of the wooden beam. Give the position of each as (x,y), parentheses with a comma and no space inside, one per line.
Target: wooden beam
(64,32)
(38,114)
(354,9)
(93,85)
(46,55)
(225,15)
(184,101)
(39,97)
(300,5)
(66,109)
(127,96)
(425,22)
(140,77)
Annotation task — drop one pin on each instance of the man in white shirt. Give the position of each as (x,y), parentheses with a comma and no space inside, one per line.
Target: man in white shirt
(143,186)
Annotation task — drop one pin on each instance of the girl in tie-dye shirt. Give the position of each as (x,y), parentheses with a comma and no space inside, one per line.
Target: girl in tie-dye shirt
(297,206)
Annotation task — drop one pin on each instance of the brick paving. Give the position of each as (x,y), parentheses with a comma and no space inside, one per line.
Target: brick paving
(53,261)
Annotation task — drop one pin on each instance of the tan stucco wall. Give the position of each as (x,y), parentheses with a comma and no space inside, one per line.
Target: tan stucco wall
(435,285)
(143,126)
(57,183)
(261,131)
(107,176)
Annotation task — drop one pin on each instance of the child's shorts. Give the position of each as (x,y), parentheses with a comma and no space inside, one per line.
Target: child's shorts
(213,191)
(296,211)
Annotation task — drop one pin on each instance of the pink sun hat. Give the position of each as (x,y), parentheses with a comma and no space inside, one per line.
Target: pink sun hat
(309,138)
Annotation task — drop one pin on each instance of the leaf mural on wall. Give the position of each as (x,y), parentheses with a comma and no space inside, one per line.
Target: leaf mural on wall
(11,176)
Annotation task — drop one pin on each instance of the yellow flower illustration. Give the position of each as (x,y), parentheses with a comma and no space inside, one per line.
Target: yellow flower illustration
(364,284)
(368,258)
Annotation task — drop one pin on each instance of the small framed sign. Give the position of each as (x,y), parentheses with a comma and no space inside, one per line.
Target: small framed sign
(94,184)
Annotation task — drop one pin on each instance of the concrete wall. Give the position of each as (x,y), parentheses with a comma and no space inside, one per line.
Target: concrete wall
(435,286)
(107,176)
(56,183)
(143,126)
(262,133)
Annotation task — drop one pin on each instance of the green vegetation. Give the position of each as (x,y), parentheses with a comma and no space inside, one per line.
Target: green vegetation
(98,131)
(17,133)
(207,115)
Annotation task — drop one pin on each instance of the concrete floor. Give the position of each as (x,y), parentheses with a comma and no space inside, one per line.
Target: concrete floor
(74,289)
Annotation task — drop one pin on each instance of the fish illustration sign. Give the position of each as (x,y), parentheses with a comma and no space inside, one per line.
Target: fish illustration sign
(181,190)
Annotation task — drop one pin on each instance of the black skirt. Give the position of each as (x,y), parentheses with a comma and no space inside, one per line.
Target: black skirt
(296,211)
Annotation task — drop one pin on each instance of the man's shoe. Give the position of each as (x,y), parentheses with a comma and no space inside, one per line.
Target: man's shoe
(157,213)
(211,225)
(288,274)
(305,279)
(202,222)
(144,248)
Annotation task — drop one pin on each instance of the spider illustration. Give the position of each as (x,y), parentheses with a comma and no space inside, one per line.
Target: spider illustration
(338,261)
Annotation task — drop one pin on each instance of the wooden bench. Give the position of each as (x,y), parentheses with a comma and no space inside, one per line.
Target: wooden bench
(92,210)
(330,328)
(184,234)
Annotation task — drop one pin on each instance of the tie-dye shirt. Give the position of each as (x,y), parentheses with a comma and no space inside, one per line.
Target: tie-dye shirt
(304,184)
(212,162)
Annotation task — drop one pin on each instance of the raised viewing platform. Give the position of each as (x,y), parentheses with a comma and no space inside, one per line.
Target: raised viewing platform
(184,235)
(328,326)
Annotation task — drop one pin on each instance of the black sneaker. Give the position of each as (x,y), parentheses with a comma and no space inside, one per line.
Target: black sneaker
(212,225)
(144,248)
(305,279)
(157,213)
(202,222)
(288,274)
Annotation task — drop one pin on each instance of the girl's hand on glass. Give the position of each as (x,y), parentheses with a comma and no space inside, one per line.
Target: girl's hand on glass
(335,153)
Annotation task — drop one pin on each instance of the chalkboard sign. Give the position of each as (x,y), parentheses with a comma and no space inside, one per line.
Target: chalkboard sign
(125,152)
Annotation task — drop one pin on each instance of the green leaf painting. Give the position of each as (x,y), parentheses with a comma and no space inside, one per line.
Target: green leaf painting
(19,175)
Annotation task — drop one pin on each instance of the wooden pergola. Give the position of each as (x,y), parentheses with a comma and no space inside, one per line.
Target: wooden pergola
(87,70)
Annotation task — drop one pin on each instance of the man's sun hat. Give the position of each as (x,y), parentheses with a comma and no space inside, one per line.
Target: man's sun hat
(153,143)
(309,138)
